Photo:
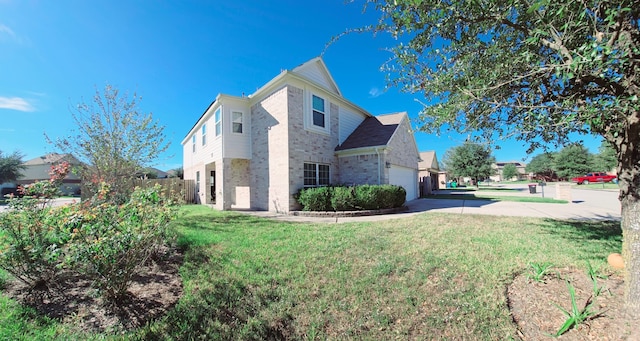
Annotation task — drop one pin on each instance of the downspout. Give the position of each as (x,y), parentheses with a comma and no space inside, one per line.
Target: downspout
(378,152)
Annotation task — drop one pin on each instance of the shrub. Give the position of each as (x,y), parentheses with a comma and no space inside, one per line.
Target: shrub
(32,238)
(315,198)
(32,242)
(345,198)
(112,241)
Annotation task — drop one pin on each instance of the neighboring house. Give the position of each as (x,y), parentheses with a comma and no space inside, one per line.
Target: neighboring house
(38,169)
(499,166)
(429,173)
(296,131)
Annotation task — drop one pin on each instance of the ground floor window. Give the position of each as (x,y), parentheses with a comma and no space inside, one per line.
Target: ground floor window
(316,174)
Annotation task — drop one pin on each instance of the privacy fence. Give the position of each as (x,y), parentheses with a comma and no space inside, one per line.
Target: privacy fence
(172,186)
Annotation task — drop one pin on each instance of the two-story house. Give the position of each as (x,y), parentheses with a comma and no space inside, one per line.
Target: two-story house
(296,131)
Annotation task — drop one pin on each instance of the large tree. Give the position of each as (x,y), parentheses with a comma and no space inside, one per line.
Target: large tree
(114,140)
(606,159)
(573,160)
(536,70)
(11,167)
(542,165)
(509,171)
(469,160)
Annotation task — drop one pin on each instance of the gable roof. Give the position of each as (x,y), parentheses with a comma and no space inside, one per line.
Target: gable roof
(373,132)
(429,161)
(317,71)
(51,158)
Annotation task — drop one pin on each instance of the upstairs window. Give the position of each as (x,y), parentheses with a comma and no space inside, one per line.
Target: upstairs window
(204,134)
(236,118)
(217,117)
(318,111)
(193,143)
(316,175)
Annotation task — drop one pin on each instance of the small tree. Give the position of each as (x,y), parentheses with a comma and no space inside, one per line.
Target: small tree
(11,167)
(542,165)
(509,171)
(469,160)
(115,141)
(573,160)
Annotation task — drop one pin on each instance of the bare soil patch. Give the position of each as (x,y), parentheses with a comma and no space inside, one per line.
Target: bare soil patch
(534,307)
(72,300)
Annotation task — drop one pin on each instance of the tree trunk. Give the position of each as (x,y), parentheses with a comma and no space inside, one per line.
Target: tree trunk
(628,152)
(631,253)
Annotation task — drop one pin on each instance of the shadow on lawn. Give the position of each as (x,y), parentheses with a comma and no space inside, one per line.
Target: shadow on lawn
(223,307)
(607,234)
(225,222)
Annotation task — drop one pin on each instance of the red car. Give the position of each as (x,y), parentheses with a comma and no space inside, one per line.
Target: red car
(594,177)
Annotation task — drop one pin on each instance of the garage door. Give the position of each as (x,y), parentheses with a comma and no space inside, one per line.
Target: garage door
(405,177)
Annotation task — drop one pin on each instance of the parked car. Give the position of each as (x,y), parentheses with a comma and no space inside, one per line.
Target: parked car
(594,177)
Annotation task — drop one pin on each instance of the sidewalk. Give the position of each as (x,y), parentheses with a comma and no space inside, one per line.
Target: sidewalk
(586,205)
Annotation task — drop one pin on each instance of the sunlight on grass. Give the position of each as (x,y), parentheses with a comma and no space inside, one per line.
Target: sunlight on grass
(429,276)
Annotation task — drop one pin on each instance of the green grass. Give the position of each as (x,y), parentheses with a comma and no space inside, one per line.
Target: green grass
(602,185)
(430,276)
(491,197)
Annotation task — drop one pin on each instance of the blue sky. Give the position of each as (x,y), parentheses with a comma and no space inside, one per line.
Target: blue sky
(178,56)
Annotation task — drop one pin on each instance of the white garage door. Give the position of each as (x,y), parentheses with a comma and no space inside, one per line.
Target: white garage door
(405,177)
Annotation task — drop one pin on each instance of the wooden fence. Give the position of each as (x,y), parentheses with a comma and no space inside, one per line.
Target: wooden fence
(186,188)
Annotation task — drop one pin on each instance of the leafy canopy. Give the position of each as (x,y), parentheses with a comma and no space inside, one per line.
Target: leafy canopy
(509,171)
(533,70)
(11,167)
(573,160)
(606,159)
(114,140)
(469,160)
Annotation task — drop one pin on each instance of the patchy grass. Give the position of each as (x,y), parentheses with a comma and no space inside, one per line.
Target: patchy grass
(430,276)
(492,197)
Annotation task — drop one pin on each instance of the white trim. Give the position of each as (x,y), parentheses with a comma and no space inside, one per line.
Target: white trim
(242,122)
(218,132)
(308,113)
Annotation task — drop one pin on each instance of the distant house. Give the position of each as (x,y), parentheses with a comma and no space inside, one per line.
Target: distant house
(294,132)
(520,168)
(429,173)
(38,169)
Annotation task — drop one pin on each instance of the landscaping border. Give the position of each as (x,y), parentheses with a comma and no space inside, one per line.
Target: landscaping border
(339,214)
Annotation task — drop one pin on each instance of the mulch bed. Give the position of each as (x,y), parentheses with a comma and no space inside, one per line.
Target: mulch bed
(534,307)
(155,290)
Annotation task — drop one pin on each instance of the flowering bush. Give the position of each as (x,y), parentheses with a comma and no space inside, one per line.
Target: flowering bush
(32,240)
(98,238)
(113,241)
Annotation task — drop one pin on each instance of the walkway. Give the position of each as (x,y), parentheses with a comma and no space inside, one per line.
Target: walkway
(586,204)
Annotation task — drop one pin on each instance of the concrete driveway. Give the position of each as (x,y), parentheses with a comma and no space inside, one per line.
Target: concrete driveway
(586,204)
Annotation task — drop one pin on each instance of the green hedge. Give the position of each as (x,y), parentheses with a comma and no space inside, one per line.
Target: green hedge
(351,198)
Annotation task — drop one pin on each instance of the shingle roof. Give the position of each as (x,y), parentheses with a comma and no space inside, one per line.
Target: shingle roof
(373,131)
(428,159)
(50,158)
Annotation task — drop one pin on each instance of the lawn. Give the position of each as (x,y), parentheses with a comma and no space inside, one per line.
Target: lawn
(430,276)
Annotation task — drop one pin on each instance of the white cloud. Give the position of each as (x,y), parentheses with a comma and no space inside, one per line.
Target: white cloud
(6,30)
(375,92)
(15,103)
